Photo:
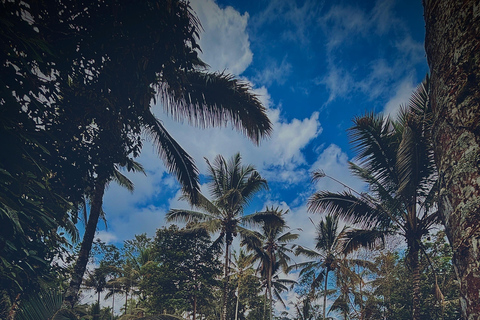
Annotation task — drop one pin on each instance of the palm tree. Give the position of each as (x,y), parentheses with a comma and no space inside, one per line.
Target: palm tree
(232,186)
(271,248)
(186,90)
(329,255)
(97,280)
(396,161)
(243,265)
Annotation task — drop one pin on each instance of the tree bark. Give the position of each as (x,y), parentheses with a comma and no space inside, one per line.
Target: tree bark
(71,295)
(416,282)
(325,294)
(194,307)
(238,297)
(269,284)
(226,280)
(452,45)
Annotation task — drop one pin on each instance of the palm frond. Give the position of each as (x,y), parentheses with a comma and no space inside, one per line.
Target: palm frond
(181,215)
(374,141)
(359,238)
(122,180)
(217,99)
(44,305)
(347,206)
(288,237)
(175,158)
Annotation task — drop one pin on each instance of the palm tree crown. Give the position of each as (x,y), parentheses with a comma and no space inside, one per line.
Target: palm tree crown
(232,186)
(271,248)
(395,159)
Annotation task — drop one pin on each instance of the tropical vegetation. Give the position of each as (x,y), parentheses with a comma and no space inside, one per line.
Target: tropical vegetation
(78,81)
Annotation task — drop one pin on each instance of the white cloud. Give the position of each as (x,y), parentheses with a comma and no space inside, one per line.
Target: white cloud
(334,163)
(342,23)
(224,42)
(345,27)
(338,82)
(400,98)
(274,73)
(297,18)
(106,236)
(279,159)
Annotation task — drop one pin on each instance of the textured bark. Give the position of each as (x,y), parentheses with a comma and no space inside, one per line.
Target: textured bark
(416,283)
(71,295)
(452,45)
(325,295)
(226,280)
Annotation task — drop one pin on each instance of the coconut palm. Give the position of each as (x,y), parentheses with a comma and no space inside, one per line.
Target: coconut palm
(274,288)
(328,256)
(243,269)
(97,280)
(232,186)
(395,159)
(271,248)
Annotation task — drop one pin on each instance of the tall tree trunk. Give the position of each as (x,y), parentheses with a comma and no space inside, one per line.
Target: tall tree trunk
(113,302)
(126,301)
(195,307)
(452,45)
(414,264)
(325,295)
(238,297)
(226,278)
(71,295)
(269,283)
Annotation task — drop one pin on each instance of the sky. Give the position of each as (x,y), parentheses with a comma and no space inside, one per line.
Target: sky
(315,65)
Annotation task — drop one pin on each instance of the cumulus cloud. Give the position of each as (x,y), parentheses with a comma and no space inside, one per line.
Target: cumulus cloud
(224,42)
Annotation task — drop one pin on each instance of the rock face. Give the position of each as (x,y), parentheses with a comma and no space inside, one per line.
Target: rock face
(452,44)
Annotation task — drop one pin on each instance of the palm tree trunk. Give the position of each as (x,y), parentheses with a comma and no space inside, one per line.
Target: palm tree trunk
(226,278)
(265,304)
(126,301)
(195,307)
(451,44)
(416,282)
(71,295)
(113,302)
(238,298)
(325,295)
(269,284)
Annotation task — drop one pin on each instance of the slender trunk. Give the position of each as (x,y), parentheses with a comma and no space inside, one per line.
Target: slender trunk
(71,295)
(269,284)
(238,298)
(113,302)
(195,307)
(126,301)
(325,295)
(98,297)
(415,281)
(226,278)
(265,304)
(453,54)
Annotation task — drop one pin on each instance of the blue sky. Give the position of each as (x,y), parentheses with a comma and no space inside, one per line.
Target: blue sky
(315,66)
